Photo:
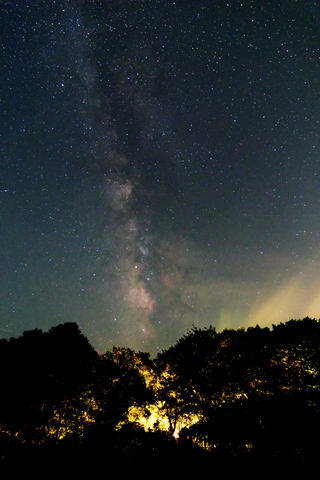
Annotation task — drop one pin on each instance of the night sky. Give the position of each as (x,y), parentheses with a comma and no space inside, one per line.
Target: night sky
(159,166)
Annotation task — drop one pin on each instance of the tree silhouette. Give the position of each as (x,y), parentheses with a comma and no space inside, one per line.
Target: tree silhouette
(41,370)
(234,396)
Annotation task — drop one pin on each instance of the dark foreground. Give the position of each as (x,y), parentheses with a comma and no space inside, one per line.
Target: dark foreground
(245,400)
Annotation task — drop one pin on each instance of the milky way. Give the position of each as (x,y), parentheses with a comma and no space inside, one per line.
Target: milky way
(160,166)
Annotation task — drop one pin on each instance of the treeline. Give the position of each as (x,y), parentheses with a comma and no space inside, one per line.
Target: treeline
(245,397)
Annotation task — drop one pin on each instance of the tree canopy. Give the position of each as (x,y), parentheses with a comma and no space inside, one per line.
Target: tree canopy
(238,395)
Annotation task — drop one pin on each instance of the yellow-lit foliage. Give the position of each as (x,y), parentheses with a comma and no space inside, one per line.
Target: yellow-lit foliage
(72,417)
(153,417)
(296,366)
(156,415)
(167,410)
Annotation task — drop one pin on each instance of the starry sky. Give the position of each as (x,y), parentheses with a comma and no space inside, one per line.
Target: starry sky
(159,166)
